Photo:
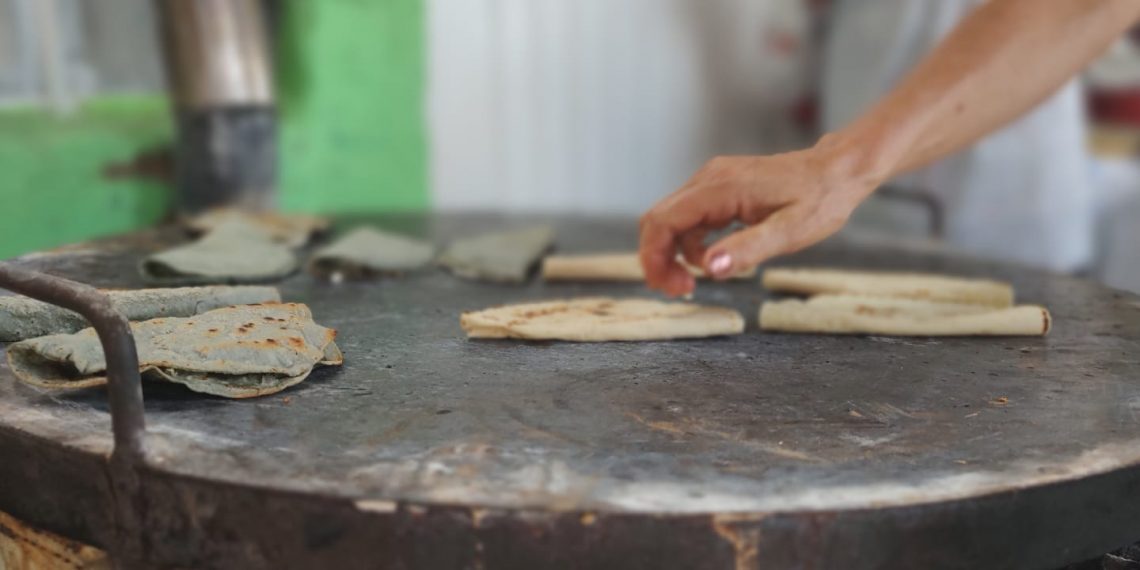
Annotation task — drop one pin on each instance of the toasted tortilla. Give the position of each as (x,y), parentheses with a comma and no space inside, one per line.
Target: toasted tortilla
(23,318)
(234,252)
(234,352)
(505,257)
(291,230)
(849,314)
(367,252)
(609,267)
(921,286)
(600,319)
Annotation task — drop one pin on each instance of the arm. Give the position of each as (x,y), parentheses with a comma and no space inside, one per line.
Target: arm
(1003,59)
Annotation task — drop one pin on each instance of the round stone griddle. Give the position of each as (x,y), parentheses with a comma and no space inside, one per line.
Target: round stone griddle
(761,450)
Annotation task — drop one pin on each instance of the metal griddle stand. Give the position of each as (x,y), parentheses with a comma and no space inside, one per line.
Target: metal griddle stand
(124,385)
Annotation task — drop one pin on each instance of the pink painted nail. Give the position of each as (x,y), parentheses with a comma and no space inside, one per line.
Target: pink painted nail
(720,264)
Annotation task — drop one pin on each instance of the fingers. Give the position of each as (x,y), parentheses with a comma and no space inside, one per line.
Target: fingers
(787,230)
(751,246)
(785,198)
(693,246)
(659,260)
(711,199)
(662,230)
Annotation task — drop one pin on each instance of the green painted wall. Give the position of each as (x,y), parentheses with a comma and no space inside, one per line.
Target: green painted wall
(52,190)
(352,96)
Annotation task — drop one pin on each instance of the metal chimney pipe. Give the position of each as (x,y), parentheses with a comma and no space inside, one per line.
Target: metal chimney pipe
(220,72)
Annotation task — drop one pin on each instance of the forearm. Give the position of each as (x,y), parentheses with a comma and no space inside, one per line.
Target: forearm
(1002,60)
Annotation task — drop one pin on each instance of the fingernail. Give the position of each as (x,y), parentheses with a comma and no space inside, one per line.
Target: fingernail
(720,264)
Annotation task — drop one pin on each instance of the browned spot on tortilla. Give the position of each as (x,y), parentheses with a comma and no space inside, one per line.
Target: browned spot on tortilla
(545,312)
(865,310)
(212,330)
(601,312)
(296,342)
(270,341)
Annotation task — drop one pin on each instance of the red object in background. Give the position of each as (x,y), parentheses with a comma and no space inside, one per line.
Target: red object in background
(1116,107)
(805,112)
(784,43)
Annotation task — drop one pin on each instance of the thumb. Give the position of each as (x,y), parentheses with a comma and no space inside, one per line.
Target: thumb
(751,246)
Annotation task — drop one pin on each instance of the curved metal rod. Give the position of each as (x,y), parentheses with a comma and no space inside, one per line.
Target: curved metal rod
(123,378)
(926,199)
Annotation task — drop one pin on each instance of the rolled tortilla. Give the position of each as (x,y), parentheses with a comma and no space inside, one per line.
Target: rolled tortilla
(23,318)
(608,267)
(849,314)
(599,319)
(889,284)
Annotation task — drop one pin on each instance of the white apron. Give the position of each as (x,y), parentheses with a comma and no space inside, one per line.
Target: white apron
(1022,194)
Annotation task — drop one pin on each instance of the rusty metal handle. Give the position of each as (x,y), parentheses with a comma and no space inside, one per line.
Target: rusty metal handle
(124,385)
(123,379)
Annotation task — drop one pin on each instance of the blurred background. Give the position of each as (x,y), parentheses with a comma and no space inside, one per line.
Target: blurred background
(595,107)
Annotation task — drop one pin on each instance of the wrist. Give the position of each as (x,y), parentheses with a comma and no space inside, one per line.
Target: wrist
(858,160)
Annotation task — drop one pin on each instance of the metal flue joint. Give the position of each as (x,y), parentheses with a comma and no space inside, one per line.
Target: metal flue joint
(219,67)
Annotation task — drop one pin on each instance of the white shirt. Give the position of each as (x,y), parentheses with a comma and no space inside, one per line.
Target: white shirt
(1023,193)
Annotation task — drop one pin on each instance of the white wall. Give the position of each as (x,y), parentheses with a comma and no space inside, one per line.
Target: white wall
(602,105)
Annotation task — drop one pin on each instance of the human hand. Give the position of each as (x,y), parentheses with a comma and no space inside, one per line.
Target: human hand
(789,201)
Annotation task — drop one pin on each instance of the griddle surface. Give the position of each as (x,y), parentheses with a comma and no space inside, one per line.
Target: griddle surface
(758,422)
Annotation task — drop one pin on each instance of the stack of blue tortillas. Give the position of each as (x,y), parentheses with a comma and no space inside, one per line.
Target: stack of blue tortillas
(234,352)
